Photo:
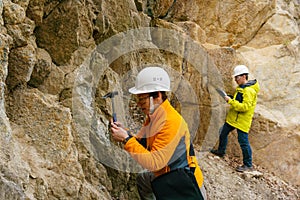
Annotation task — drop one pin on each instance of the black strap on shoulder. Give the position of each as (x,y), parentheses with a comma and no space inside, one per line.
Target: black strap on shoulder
(192,151)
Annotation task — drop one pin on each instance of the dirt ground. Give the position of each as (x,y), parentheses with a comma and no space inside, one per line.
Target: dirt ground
(223,182)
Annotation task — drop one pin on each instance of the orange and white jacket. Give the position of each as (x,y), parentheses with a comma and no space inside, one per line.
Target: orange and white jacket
(168,143)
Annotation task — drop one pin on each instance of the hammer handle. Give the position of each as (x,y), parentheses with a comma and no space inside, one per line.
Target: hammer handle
(114,116)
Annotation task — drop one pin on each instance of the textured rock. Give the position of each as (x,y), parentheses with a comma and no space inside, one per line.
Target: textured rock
(280,29)
(21,33)
(225,23)
(5,43)
(1,11)
(13,13)
(29,108)
(64,30)
(21,63)
(49,161)
(35,11)
(50,62)
(46,76)
(159,9)
(19,27)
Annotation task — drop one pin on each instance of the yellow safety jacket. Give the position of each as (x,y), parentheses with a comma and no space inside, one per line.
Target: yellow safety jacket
(168,143)
(242,106)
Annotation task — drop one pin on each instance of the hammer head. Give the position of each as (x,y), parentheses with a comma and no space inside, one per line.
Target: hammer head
(110,94)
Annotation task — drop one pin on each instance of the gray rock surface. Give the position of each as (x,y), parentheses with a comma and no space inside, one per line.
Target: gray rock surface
(58,58)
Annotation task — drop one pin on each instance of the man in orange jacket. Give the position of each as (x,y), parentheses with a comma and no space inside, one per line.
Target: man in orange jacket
(167,151)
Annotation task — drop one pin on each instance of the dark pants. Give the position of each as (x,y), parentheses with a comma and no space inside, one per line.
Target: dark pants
(145,189)
(243,141)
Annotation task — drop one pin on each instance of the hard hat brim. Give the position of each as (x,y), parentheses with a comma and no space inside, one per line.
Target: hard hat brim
(134,90)
(237,74)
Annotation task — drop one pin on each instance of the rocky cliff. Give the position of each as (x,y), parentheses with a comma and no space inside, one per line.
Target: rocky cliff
(59,57)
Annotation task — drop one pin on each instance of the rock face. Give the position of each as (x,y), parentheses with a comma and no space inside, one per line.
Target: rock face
(58,58)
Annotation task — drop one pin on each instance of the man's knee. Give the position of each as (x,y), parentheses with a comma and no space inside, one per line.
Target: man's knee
(143,181)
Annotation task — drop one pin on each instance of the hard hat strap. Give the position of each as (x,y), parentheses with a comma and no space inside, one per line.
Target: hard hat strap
(151,109)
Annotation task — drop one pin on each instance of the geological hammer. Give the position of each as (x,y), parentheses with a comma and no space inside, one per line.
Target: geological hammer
(111,95)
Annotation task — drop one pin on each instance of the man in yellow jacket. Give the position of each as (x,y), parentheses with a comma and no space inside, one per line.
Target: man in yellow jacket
(240,116)
(163,145)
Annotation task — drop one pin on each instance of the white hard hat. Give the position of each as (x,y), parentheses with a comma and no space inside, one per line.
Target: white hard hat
(151,79)
(240,69)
